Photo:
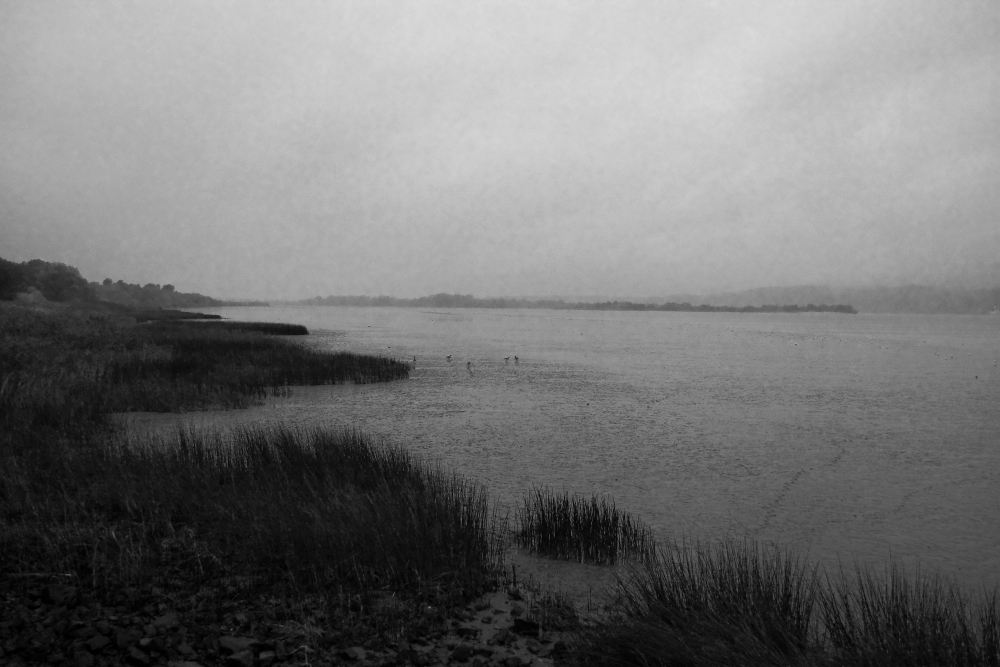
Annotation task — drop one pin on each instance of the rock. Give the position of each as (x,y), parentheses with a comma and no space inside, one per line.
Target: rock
(504,636)
(183,663)
(97,642)
(267,658)
(560,649)
(126,638)
(483,650)
(136,657)
(232,645)
(517,610)
(61,596)
(525,627)
(462,653)
(240,659)
(83,659)
(467,633)
(167,620)
(532,646)
(353,653)
(514,593)
(514,661)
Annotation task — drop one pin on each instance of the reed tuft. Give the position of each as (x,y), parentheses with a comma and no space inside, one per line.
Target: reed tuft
(561,525)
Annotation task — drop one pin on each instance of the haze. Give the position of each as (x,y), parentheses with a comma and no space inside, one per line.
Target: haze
(292,149)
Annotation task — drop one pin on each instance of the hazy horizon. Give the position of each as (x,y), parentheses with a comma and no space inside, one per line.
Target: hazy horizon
(503,149)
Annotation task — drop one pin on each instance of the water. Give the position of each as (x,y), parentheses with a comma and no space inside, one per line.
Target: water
(847,437)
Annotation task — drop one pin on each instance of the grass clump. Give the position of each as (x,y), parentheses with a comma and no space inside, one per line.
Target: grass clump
(253,512)
(740,602)
(895,619)
(732,602)
(567,526)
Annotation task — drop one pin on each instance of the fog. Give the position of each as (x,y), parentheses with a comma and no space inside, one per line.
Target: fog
(292,149)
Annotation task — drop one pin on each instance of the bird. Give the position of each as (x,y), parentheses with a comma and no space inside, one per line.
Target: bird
(468,367)
(448,357)
(516,359)
(506,360)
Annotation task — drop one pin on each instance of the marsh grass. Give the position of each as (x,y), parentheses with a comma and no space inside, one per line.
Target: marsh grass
(251,512)
(563,525)
(741,602)
(218,515)
(269,328)
(892,618)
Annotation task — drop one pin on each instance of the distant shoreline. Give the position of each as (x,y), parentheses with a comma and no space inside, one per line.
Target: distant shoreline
(469,301)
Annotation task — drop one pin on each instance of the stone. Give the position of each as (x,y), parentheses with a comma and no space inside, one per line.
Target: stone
(353,653)
(61,595)
(84,659)
(126,638)
(183,663)
(136,657)
(240,659)
(524,627)
(233,645)
(167,620)
(266,658)
(97,642)
(462,653)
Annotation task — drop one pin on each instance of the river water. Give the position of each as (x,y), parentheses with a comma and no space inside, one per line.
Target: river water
(849,438)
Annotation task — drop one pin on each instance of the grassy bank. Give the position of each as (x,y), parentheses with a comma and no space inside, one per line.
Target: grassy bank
(216,518)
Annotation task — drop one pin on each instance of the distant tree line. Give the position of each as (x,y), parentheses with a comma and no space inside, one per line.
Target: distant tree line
(37,280)
(52,281)
(469,301)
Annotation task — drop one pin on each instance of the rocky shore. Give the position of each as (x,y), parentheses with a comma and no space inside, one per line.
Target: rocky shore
(53,624)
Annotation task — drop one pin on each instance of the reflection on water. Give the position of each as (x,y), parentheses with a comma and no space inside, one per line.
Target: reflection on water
(844,436)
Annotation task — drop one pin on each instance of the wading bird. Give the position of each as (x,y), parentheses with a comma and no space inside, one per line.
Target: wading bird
(506,360)
(448,357)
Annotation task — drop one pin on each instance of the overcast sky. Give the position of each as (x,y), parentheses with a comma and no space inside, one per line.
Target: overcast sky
(293,149)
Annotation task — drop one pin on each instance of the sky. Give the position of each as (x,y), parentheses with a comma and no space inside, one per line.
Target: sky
(291,149)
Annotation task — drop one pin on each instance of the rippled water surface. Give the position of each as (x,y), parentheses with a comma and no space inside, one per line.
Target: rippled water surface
(849,437)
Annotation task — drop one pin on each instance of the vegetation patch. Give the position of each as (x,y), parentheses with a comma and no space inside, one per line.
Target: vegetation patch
(740,602)
(561,525)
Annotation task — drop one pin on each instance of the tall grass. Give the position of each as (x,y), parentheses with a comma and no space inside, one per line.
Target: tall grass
(258,508)
(730,602)
(269,328)
(740,602)
(561,525)
(892,618)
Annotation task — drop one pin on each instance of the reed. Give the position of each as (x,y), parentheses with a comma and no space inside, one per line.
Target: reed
(269,328)
(737,601)
(892,618)
(251,512)
(561,525)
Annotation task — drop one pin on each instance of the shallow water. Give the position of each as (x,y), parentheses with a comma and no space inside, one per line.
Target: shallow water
(847,437)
